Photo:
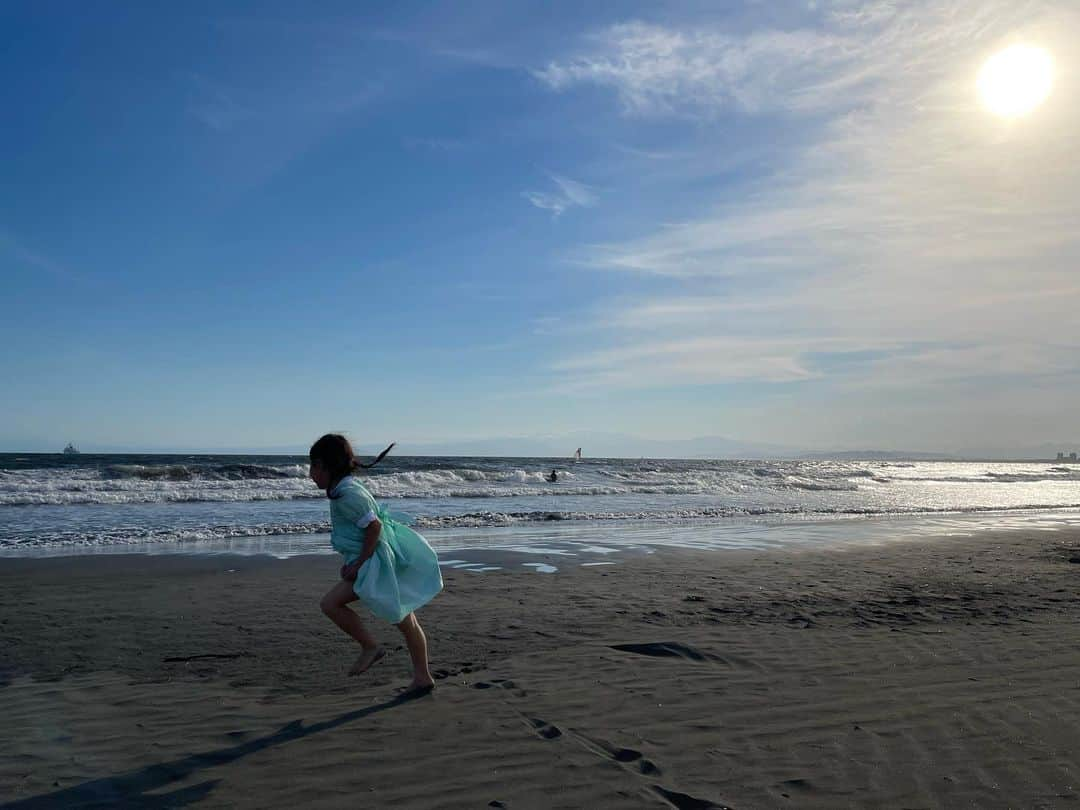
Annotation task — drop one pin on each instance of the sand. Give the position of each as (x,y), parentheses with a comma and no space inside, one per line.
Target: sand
(941,673)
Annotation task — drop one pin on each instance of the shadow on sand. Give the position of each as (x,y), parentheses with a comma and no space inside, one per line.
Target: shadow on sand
(129,789)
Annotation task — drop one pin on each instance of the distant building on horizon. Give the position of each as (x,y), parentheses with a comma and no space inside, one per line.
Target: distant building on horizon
(1063,457)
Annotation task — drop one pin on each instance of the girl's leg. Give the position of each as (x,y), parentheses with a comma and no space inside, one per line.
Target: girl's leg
(336,605)
(417,644)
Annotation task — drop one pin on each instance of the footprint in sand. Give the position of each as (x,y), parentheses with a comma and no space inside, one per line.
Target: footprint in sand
(622,755)
(645,766)
(545,729)
(662,649)
(625,756)
(684,801)
(798,786)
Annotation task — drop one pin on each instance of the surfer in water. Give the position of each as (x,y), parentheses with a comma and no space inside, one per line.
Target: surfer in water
(553,477)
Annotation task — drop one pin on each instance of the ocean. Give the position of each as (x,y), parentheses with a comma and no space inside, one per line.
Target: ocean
(64,504)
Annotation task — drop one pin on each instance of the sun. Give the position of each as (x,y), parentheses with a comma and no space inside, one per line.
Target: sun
(1015,81)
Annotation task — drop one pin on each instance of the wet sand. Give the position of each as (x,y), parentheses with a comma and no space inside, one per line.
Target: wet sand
(940,673)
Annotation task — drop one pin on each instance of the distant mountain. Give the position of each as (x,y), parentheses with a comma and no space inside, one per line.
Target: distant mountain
(599,445)
(878,455)
(595,445)
(1043,452)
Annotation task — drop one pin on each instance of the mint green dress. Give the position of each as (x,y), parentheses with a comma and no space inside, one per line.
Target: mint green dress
(403,574)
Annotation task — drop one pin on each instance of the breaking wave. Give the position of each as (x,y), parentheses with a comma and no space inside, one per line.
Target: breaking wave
(108,500)
(480,519)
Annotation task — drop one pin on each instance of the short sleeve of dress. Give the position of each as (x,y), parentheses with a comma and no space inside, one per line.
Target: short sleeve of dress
(358,506)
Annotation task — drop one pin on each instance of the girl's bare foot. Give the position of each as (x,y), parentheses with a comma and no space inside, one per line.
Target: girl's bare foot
(366,660)
(418,688)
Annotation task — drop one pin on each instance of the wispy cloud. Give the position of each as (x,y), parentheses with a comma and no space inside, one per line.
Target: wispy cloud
(32,258)
(566,195)
(214,105)
(647,154)
(258,130)
(225,107)
(908,223)
(432,144)
(660,71)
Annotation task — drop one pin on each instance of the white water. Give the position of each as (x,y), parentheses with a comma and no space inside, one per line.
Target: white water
(51,502)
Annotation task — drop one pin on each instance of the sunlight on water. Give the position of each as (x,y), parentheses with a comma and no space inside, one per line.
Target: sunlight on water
(265,505)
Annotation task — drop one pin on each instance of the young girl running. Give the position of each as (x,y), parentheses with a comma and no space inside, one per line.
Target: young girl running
(388,566)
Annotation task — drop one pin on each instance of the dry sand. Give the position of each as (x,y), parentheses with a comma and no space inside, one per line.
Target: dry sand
(929,674)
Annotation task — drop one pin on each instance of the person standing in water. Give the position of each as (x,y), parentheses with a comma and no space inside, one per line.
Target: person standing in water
(553,477)
(387,566)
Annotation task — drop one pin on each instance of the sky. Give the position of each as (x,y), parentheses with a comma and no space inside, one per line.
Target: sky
(242,225)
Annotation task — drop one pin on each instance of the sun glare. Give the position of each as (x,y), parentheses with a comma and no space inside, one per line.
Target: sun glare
(1016,80)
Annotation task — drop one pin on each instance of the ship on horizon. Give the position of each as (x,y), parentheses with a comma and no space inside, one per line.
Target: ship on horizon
(71,450)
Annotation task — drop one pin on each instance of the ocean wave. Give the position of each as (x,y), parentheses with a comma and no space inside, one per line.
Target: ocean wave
(84,495)
(431,481)
(490,518)
(181,480)
(1021,477)
(73,495)
(811,485)
(989,477)
(215,472)
(127,535)
(134,535)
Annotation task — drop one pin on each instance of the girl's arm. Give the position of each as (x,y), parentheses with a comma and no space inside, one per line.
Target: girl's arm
(371,540)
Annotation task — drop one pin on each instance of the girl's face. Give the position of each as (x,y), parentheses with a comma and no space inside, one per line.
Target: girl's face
(319,475)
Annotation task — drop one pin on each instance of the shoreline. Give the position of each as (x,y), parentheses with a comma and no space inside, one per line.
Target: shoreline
(918,673)
(776,532)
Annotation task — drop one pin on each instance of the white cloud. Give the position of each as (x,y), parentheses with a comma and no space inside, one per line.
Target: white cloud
(33,258)
(909,223)
(567,194)
(661,71)
(429,144)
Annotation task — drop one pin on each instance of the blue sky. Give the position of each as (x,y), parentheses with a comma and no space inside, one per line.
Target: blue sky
(241,225)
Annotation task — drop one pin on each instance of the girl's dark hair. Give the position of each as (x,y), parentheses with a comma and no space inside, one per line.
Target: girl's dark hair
(335,453)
